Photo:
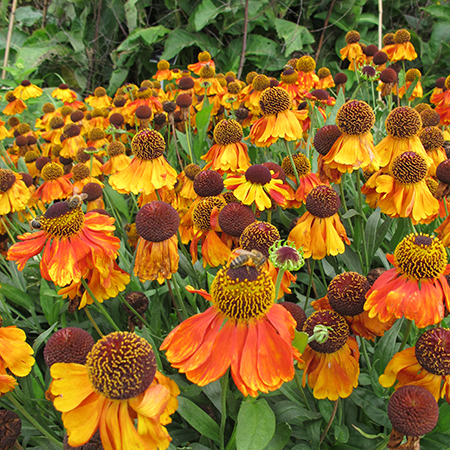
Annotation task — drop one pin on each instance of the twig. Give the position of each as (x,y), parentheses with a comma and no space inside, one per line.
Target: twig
(244,40)
(8,39)
(324,28)
(44,14)
(333,414)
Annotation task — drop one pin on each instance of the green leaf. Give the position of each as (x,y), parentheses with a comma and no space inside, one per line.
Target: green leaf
(371,232)
(255,425)
(205,12)
(202,121)
(439,11)
(434,441)
(340,100)
(118,201)
(180,39)
(385,347)
(372,406)
(42,337)
(281,437)
(49,307)
(443,425)
(300,341)
(153,34)
(350,213)
(118,77)
(28,15)
(131,14)
(351,260)
(295,36)
(198,419)
(17,296)
(341,433)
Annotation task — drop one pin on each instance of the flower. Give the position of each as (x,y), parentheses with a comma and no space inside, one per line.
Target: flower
(15,356)
(354,149)
(157,255)
(442,102)
(243,329)
(426,364)
(118,385)
(403,49)
(63,93)
(286,256)
(319,231)
(410,77)
(228,154)
(14,194)
(332,367)
(15,105)
(75,246)
(257,84)
(100,99)
(324,139)
(433,141)
(278,120)
(56,185)
(289,82)
(353,51)
(403,192)
(204,58)
(307,79)
(27,90)
(325,79)
(416,288)
(163,72)
(148,169)
(258,185)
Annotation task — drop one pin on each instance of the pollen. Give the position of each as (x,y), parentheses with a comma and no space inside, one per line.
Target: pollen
(52,171)
(148,144)
(274,100)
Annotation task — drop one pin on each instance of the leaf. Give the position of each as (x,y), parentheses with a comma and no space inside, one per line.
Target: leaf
(131,14)
(281,437)
(443,425)
(198,419)
(385,347)
(439,11)
(350,213)
(28,15)
(50,308)
(300,341)
(341,433)
(295,36)
(434,441)
(340,100)
(372,406)
(255,425)
(202,120)
(180,39)
(153,34)
(371,232)
(410,90)
(42,337)
(118,201)
(118,77)
(351,260)
(17,296)
(205,12)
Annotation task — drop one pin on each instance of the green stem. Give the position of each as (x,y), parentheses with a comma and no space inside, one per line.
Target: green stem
(188,138)
(333,414)
(357,89)
(360,203)
(308,291)
(278,283)
(100,306)
(366,355)
(7,230)
(223,402)
(232,442)
(297,178)
(344,204)
(10,396)
(94,324)
(406,335)
(269,216)
(301,390)
(179,297)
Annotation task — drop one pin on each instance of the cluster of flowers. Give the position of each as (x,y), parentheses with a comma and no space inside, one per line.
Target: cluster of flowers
(215,208)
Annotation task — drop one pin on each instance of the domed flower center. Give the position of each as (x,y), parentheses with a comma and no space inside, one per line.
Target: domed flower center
(323,72)
(228,132)
(322,201)
(100,91)
(121,366)
(259,236)
(432,185)
(52,171)
(116,148)
(447,82)
(306,64)
(157,221)
(388,39)
(234,88)
(235,217)
(260,82)
(148,144)
(258,174)
(243,293)
(421,257)
(80,172)
(274,100)
(430,118)
(352,37)
(433,351)
(56,122)
(204,56)
(325,138)
(207,72)
(192,170)
(289,76)
(202,212)
(347,293)
(96,134)
(402,36)
(431,138)
(10,97)
(301,162)
(60,220)
(208,183)
(144,93)
(409,168)
(355,118)
(403,122)
(163,65)
(412,74)
(7,179)
(337,335)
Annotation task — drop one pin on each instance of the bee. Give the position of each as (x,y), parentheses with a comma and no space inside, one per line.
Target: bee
(245,258)
(35,223)
(77,199)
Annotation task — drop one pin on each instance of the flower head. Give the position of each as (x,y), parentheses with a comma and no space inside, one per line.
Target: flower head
(286,256)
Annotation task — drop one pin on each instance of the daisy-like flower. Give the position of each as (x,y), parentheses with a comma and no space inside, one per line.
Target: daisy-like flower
(307,79)
(56,185)
(289,82)
(257,84)
(258,185)
(3,131)
(163,72)
(63,93)
(118,160)
(354,149)
(324,140)
(388,45)
(15,356)
(403,125)
(157,255)
(148,169)
(403,49)
(228,154)
(278,120)
(426,364)
(208,81)
(81,175)
(320,231)
(410,77)
(353,51)
(346,294)
(442,102)
(433,141)
(204,58)
(75,246)
(416,288)
(325,79)
(100,99)
(240,330)
(27,90)
(72,142)
(116,388)
(404,191)
(15,105)
(14,194)
(332,367)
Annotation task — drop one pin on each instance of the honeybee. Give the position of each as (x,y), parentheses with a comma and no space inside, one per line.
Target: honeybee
(35,223)
(77,199)
(245,258)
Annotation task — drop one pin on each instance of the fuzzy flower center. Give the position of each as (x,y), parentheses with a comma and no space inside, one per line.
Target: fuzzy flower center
(62,221)
(433,351)
(7,179)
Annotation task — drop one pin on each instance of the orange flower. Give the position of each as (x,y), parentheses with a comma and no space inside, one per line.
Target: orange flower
(64,94)
(100,99)
(163,72)
(278,120)
(416,288)
(26,90)
(289,82)
(403,49)
(258,185)
(332,367)
(320,231)
(410,77)
(353,51)
(307,79)
(14,106)
(426,364)
(115,399)
(204,58)
(15,357)
(207,82)
(256,341)
(14,194)
(148,169)
(326,80)
(117,161)
(56,185)
(228,154)
(442,102)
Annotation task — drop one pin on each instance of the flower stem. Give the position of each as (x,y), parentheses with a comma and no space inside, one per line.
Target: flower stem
(6,227)
(311,274)
(223,402)
(10,396)
(333,414)
(301,390)
(278,283)
(88,313)
(297,178)
(366,355)
(406,335)
(365,253)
